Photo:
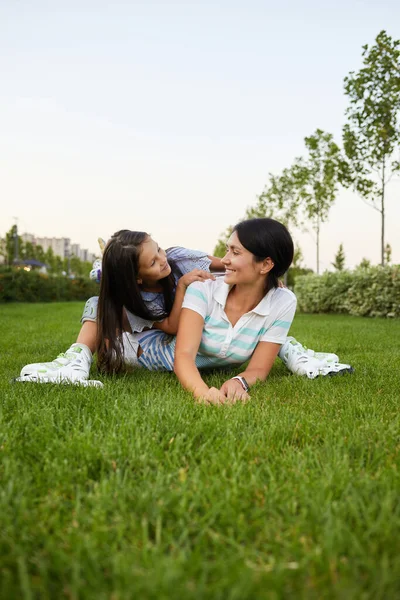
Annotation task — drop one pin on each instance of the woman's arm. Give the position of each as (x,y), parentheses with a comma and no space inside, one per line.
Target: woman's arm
(187,344)
(266,350)
(257,370)
(170,324)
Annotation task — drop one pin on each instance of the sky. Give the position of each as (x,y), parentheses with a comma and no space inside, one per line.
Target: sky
(168,116)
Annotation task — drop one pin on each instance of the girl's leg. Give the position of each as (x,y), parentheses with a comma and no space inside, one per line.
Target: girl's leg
(87,335)
(74,364)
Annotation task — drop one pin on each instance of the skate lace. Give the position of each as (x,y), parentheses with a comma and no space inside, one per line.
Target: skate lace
(299,347)
(66,357)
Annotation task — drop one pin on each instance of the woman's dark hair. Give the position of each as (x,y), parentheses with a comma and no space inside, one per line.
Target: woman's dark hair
(267,238)
(119,289)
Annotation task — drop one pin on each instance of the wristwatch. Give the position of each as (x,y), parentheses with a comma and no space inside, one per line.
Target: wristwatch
(244,383)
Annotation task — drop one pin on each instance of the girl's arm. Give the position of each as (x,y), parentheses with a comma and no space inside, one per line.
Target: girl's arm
(187,344)
(170,324)
(216,264)
(257,370)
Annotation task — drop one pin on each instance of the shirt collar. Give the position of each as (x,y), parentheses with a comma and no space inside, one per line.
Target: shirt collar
(222,290)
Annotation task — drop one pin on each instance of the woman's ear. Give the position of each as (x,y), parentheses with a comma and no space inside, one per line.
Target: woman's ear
(139,281)
(267,265)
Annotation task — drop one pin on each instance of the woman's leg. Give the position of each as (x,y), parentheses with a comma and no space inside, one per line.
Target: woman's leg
(301,360)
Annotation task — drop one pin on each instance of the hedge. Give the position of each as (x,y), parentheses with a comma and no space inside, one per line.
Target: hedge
(23,286)
(366,292)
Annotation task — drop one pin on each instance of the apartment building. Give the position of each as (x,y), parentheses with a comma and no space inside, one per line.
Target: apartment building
(61,246)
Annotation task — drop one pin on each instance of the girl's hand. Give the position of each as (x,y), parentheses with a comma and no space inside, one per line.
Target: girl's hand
(233,391)
(195,275)
(212,396)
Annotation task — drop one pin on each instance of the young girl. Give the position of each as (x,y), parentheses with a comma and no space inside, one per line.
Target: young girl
(150,285)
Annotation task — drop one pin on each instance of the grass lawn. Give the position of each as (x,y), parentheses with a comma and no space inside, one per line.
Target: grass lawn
(134,491)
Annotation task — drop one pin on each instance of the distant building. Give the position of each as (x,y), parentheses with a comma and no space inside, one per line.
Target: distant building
(61,246)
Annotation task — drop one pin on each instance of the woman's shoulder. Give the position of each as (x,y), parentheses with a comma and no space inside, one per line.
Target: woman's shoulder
(283,295)
(209,289)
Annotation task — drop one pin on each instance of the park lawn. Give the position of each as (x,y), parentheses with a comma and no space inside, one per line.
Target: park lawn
(135,491)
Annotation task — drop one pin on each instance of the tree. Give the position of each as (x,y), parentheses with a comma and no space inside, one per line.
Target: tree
(364,264)
(317,178)
(54,262)
(372,135)
(279,200)
(80,268)
(388,254)
(340,259)
(28,251)
(13,246)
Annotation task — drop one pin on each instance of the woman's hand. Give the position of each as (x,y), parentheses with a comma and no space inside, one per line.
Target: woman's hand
(212,396)
(195,275)
(233,391)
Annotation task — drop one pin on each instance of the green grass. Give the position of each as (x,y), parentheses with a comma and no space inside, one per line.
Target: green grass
(134,491)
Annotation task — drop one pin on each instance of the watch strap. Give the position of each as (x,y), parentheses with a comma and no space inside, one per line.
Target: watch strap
(243,382)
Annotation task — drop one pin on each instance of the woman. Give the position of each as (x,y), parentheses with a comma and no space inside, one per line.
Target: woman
(245,316)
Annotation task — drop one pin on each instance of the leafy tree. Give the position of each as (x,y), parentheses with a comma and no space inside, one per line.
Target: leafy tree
(12,246)
(28,251)
(388,254)
(54,262)
(364,264)
(340,259)
(40,254)
(317,178)
(80,267)
(372,135)
(280,199)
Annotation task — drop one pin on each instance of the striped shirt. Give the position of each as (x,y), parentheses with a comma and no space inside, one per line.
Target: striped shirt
(221,343)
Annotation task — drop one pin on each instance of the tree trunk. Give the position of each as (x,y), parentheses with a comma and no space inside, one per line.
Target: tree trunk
(317,230)
(383,216)
(285,277)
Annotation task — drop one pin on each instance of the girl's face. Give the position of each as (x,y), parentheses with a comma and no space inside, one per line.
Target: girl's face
(153,264)
(240,266)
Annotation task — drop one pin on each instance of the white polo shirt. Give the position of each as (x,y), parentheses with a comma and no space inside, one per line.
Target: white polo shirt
(221,343)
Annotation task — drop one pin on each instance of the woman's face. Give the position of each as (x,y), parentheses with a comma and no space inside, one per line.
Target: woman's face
(240,266)
(153,264)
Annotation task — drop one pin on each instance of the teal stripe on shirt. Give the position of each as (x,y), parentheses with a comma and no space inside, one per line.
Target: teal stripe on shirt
(216,323)
(207,349)
(283,324)
(252,332)
(215,337)
(244,345)
(197,293)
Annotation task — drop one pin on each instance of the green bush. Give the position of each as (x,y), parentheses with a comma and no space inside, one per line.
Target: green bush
(17,285)
(366,292)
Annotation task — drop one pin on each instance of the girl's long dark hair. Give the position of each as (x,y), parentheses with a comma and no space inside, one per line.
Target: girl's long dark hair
(118,289)
(267,238)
